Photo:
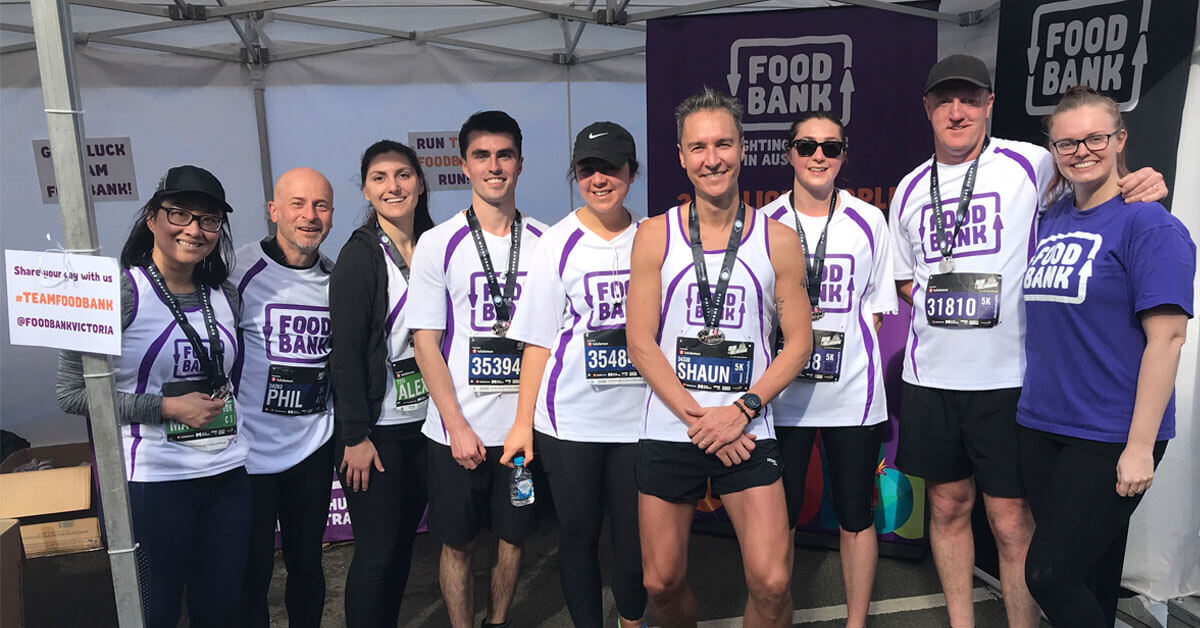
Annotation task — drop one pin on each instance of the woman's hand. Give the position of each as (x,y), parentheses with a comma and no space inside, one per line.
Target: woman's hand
(194,409)
(357,461)
(518,442)
(1135,471)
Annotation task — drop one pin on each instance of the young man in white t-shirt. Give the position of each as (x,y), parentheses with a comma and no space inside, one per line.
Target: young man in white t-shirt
(465,281)
(965,357)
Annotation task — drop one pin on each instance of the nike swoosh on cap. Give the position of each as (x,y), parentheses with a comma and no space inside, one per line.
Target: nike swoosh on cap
(592,136)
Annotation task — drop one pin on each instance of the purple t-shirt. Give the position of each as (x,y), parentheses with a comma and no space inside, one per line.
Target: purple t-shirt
(1092,273)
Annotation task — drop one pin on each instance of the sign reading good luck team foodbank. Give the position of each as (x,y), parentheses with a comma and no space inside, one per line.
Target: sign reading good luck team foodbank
(865,66)
(1135,51)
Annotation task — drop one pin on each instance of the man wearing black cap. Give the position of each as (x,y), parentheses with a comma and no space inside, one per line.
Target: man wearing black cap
(964,225)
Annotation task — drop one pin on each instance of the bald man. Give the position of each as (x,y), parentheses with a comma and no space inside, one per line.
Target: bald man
(282,383)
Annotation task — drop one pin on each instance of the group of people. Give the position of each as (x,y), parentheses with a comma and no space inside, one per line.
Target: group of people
(646,362)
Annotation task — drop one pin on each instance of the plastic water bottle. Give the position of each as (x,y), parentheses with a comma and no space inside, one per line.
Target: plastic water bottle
(520,489)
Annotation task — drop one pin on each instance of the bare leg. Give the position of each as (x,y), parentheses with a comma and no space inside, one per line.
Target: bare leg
(664,528)
(1012,526)
(504,580)
(454,574)
(860,555)
(953,546)
(759,516)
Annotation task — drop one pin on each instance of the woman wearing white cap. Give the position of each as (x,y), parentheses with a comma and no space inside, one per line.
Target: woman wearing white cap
(189,494)
(580,395)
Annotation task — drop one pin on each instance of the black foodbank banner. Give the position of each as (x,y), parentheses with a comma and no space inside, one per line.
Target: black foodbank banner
(1135,51)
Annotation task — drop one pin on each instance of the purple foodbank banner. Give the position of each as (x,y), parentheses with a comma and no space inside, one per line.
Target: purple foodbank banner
(868,67)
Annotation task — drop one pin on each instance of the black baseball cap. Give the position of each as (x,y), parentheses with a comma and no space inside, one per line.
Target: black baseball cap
(608,141)
(192,179)
(959,68)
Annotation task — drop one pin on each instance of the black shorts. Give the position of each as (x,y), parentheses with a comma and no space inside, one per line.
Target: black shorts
(853,455)
(679,472)
(462,501)
(950,435)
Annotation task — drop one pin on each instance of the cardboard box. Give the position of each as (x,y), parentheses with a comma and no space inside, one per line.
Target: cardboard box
(12,605)
(54,503)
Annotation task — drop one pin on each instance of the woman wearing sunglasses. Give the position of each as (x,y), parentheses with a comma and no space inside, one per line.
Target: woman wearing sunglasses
(840,391)
(1107,294)
(189,494)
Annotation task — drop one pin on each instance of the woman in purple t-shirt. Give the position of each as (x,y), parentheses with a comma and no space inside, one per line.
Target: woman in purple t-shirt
(1107,295)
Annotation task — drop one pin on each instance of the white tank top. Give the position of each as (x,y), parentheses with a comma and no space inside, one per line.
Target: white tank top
(282,376)
(747,317)
(407,398)
(154,352)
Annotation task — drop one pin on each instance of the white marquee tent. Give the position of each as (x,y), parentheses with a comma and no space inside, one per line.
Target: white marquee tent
(251,89)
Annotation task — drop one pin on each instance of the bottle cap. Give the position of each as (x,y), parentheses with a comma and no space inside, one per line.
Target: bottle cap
(519,461)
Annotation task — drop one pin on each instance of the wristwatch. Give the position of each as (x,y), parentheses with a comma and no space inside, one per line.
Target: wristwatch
(752,403)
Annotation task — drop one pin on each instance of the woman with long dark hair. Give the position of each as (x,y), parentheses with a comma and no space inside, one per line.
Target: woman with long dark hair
(1108,293)
(379,395)
(189,494)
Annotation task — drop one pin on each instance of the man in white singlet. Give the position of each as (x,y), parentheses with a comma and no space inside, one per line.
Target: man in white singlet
(708,279)
(283,391)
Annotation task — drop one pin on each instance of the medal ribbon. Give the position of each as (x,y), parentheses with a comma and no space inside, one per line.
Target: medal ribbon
(946,245)
(711,302)
(812,274)
(502,300)
(214,365)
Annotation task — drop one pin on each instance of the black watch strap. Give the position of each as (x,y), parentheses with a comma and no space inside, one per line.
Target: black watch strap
(745,411)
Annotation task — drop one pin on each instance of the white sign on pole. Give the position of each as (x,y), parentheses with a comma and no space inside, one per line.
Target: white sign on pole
(438,153)
(64,301)
(109,168)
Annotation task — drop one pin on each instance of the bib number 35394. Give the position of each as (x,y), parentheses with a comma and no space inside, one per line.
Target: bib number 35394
(494,364)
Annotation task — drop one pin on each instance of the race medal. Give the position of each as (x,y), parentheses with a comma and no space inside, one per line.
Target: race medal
(494,364)
(946,265)
(711,336)
(500,328)
(215,436)
(825,363)
(606,358)
(963,300)
(411,392)
(817,313)
(296,390)
(722,367)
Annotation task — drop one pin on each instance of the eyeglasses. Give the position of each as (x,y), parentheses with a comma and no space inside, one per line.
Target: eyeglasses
(183,218)
(832,149)
(1068,147)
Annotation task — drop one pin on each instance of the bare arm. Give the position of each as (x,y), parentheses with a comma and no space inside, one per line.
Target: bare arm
(904,289)
(520,436)
(465,445)
(641,321)
(1166,328)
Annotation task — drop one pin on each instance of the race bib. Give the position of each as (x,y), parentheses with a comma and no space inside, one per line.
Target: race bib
(825,363)
(606,358)
(213,437)
(296,390)
(723,367)
(963,300)
(494,364)
(411,392)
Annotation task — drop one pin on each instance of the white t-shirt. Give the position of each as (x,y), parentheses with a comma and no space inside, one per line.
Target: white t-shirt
(998,237)
(748,320)
(574,305)
(857,282)
(449,292)
(283,373)
(407,399)
(156,353)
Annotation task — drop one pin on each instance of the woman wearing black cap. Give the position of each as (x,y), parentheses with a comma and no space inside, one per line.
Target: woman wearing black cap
(184,458)
(579,391)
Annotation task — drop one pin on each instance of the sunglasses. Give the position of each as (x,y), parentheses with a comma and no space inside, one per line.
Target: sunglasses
(831,149)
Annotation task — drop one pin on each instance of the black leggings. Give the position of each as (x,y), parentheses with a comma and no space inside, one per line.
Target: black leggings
(586,479)
(853,454)
(1078,550)
(299,498)
(385,519)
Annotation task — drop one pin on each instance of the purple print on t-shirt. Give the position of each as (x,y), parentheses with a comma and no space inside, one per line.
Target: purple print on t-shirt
(732,313)
(483,306)
(604,291)
(297,334)
(979,234)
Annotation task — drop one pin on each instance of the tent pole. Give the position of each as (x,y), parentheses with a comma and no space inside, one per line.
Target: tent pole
(64,119)
(259,86)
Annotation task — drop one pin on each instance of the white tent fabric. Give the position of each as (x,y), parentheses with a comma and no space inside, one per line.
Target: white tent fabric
(186,98)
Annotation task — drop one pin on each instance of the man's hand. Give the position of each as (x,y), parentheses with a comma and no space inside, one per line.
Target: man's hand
(738,451)
(1146,185)
(519,442)
(716,426)
(466,448)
